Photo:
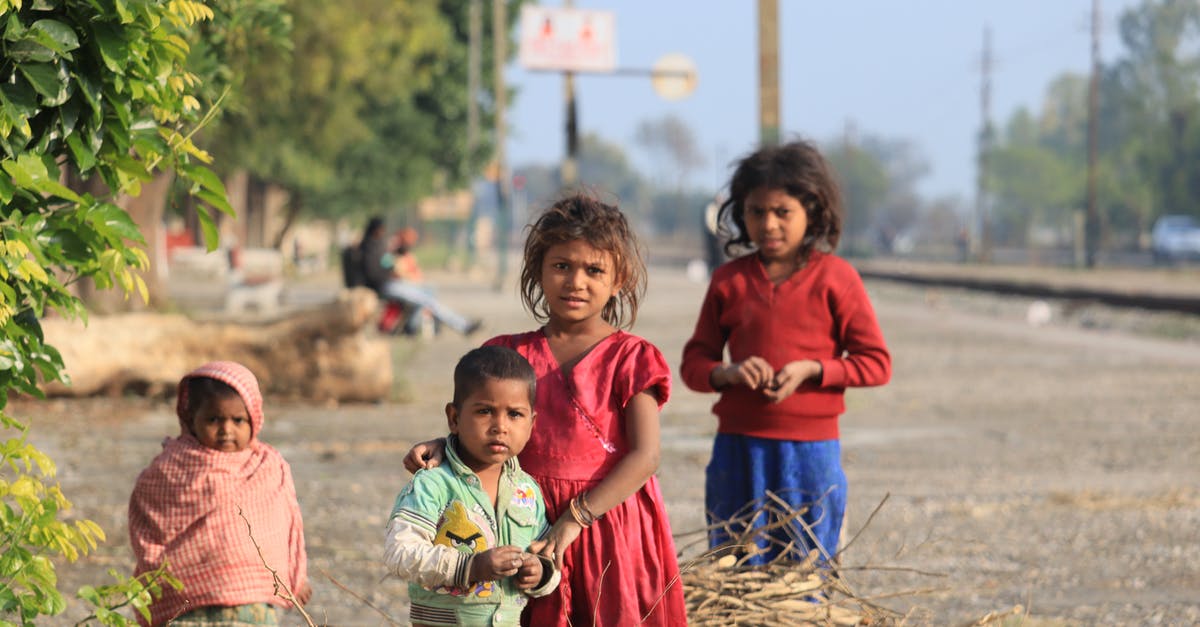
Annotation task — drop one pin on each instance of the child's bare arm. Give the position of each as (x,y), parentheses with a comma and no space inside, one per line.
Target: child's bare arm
(427,454)
(627,477)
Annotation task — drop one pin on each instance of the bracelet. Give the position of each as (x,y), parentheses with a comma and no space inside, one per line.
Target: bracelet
(586,509)
(573,506)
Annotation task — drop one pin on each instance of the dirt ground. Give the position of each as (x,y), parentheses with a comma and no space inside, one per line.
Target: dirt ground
(1052,467)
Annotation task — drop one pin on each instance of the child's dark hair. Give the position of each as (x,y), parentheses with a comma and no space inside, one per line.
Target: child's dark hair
(491,362)
(798,169)
(604,227)
(201,390)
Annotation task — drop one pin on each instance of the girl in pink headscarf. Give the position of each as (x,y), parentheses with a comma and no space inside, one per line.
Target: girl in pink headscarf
(207,499)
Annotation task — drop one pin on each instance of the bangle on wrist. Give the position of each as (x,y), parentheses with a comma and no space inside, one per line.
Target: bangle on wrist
(586,509)
(573,506)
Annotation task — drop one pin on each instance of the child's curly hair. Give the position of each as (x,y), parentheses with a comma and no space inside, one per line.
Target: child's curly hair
(604,227)
(799,169)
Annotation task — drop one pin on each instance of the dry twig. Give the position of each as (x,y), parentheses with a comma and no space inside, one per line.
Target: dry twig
(279,583)
(360,598)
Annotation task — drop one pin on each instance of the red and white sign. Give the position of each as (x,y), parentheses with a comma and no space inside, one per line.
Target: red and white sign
(574,40)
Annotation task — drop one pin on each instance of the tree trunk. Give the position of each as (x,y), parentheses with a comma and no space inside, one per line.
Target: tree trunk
(146,210)
(327,353)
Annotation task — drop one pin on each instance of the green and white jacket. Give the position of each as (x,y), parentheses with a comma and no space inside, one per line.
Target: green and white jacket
(441,520)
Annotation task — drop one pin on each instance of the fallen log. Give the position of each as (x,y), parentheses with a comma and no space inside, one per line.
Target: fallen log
(326,353)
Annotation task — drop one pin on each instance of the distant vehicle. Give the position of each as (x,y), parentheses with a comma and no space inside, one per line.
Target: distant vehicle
(1175,237)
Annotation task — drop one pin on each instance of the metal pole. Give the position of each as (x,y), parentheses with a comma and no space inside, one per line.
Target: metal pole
(985,147)
(768,71)
(569,174)
(1092,224)
(570,165)
(500,55)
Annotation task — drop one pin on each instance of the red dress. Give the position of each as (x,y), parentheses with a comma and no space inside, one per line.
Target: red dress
(622,569)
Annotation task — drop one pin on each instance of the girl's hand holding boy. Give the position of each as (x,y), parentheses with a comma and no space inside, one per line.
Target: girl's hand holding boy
(529,575)
(554,545)
(425,455)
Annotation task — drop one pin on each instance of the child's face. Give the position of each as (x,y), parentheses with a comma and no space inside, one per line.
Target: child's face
(493,423)
(578,280)
(222,423)
(775,222)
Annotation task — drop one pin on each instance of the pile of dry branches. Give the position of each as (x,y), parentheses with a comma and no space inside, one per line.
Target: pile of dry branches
(722,588)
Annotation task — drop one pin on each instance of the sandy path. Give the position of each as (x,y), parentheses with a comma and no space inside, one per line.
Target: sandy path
(1052,467)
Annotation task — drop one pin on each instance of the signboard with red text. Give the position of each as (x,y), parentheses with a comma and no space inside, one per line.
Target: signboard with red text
(571,40)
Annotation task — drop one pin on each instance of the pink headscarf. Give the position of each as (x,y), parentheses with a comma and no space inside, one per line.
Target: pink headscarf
(184,511)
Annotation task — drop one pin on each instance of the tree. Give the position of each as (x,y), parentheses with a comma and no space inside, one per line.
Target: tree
(606,169)
(1158,87)
(101,89)
(367,112)
(864,183)
(672,142)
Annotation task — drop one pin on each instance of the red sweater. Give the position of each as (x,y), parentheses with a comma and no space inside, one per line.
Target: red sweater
(821,312)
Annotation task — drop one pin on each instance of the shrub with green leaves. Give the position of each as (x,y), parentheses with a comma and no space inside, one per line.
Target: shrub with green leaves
(95,89)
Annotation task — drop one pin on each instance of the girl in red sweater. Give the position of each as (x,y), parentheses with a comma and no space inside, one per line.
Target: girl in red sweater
(800,330)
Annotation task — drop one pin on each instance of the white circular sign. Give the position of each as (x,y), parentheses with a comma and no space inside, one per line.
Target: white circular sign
(674,76)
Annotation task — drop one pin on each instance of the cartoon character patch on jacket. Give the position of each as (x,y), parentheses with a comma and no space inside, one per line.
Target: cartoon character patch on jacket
(457,530)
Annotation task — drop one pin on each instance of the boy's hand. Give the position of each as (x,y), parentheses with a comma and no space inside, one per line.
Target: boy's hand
(530,572)
(427,454)
(497,563)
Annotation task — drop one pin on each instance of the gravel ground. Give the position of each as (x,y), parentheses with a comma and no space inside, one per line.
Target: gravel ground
(1051,466)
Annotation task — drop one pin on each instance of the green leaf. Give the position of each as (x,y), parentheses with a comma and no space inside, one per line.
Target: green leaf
(208,229)
(54,188)
(216,201)
(91,92)
(25,170)
(46,79)
(55,35)
(6,190)
(205,177)
(113,49)
(123,11)
(116,220)
(68,116)
(28,50)
(15,29)
(20,97)
(85,159)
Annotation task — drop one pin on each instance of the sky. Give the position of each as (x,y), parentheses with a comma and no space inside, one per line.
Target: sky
(896,69)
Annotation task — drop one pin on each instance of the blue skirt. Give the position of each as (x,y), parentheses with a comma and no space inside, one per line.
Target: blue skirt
(803,474)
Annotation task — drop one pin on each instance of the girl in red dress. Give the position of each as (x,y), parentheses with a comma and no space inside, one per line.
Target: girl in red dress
(595,447)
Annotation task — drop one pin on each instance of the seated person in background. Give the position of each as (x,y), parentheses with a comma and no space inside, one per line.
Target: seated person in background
(406,285)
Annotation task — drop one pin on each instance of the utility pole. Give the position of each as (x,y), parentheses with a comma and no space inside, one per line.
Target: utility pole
(465,239)
(984,149)
(474,37)
(1091,229)
(569,174)
(768,71)
(499,57)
